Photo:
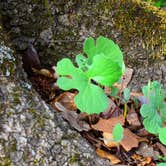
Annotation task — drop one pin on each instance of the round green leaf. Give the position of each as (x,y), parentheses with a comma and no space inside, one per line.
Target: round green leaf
(109,49)
(145,110)
(153,124)
(89,48)
(126,94)
(104,71)
(65,67)
(162,135)
(91,99)
(118,132)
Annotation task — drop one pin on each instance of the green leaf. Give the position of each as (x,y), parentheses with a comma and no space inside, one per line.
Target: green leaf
(104,71)
(91,98)
(65,83)
(161,164)
(154,112)
(146,90)
(153,124)
(162,135)
(114,91)
(105,60)
(89,48)
(65,67)
(118,132)
(126,95)
(163,112)
(103,46)
(156,94)
(109,49)
(81,62)
(146,110)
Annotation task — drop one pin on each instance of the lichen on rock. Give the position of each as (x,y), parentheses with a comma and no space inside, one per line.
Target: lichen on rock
(7,60)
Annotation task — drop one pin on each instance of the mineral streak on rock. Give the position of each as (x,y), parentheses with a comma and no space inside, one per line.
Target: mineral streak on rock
(31,60)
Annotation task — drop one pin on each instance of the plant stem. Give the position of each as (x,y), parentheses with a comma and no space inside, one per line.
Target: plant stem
(125,110)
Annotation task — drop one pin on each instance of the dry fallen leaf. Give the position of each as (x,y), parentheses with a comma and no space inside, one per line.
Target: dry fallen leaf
(93,139)
(108,140)
(113,159)
(142,161)
(130,140)
(73,118)
(44,72)
(66,100)
(107,125)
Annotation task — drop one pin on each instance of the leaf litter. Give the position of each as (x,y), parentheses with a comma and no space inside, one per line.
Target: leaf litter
(97,129)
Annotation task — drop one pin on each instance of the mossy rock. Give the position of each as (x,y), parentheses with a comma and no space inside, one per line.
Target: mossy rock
(62,26)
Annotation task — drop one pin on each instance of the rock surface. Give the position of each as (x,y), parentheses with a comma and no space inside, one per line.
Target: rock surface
(32,134)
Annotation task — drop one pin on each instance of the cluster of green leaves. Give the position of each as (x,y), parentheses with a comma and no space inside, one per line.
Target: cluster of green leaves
(103,65)
(154,111)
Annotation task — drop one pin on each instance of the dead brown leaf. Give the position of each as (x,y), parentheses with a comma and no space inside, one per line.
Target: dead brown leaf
(44,72)
(66,100)
(113,159)
(142,161)
(108,140)
(73,118)
(130,140)
(92,139)
(107,125)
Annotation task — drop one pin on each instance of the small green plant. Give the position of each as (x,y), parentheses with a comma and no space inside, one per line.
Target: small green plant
(154,111)
(117,132)
(158,3)
(103,66)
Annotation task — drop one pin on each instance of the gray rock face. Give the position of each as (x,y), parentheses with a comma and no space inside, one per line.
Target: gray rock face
(31,132)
